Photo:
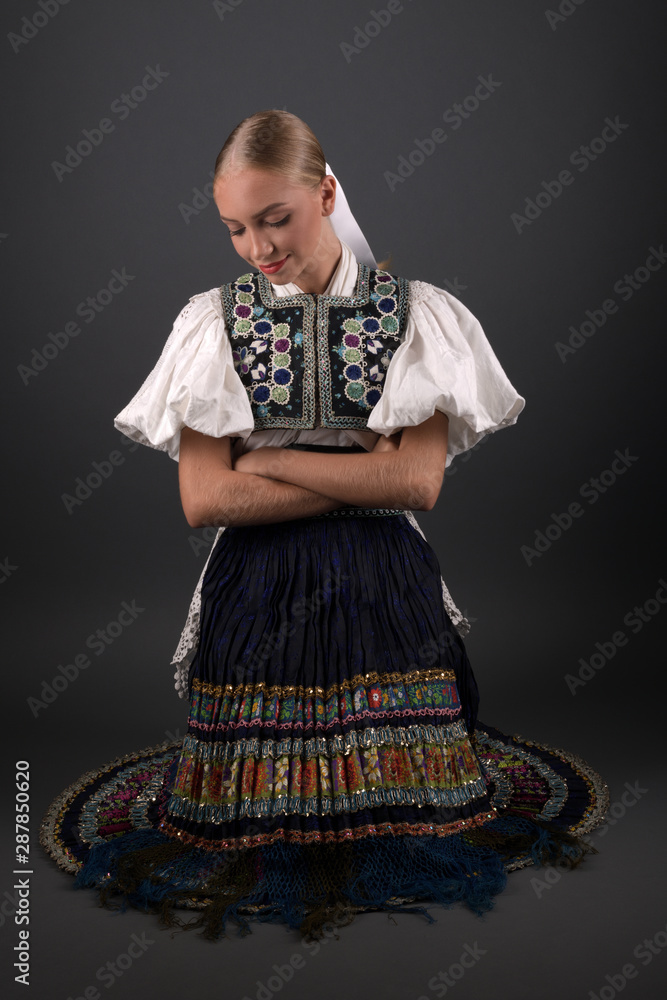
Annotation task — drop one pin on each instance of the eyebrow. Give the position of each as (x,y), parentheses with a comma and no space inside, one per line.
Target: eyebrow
(269,208)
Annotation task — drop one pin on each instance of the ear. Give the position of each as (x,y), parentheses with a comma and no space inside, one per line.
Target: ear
(328,194)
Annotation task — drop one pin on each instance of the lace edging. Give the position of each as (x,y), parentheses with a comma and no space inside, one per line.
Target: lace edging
(459,621)
(189,641)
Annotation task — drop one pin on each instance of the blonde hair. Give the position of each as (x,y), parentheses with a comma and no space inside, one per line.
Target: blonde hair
(279,141)
(274,140)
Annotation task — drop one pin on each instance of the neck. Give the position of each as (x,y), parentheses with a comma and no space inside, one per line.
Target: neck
(316,278)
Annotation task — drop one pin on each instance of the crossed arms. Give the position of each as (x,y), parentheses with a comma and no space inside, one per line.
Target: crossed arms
(275,484)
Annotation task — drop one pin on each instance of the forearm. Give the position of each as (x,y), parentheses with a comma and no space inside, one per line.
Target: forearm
(233,498)
(374,479)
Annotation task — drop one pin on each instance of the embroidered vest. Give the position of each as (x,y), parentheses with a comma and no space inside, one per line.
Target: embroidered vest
(311,361)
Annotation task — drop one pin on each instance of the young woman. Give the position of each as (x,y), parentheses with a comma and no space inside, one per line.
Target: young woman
(333,761)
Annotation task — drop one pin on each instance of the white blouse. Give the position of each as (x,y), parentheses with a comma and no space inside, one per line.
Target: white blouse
(444,362)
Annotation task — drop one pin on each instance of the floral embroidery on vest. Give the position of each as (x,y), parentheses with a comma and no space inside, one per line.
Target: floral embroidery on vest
(315,360)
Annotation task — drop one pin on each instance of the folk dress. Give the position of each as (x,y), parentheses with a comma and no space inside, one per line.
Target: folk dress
(334,762)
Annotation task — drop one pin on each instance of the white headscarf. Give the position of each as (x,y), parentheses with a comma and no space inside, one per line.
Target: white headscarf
(347,228)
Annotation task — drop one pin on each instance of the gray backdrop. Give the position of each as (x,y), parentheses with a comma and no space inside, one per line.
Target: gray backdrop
(539,203)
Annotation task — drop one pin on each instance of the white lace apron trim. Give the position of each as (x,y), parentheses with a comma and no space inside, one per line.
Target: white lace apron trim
(189,641)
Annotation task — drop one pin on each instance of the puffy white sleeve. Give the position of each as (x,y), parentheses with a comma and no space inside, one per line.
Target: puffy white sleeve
(194,384)
(446,363)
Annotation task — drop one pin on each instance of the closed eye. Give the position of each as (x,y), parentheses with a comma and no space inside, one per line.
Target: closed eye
(274,225)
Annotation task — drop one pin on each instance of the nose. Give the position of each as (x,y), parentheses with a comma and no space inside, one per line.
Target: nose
(261,246)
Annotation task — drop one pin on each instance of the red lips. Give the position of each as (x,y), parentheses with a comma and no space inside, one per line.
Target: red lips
(272,268)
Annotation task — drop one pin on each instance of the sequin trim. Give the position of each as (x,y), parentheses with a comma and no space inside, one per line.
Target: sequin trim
(419,764)
(118,788)
(221,708)
(319,805)
(597,788)
(503,785)
(414,676)
(557,787)
(332,836)
(337,720)
(49,830)
(296,746)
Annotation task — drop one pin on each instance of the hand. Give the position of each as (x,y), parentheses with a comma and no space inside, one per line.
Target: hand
(266,461)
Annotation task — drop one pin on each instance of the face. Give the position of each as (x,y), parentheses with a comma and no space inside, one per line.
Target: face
(281,227)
